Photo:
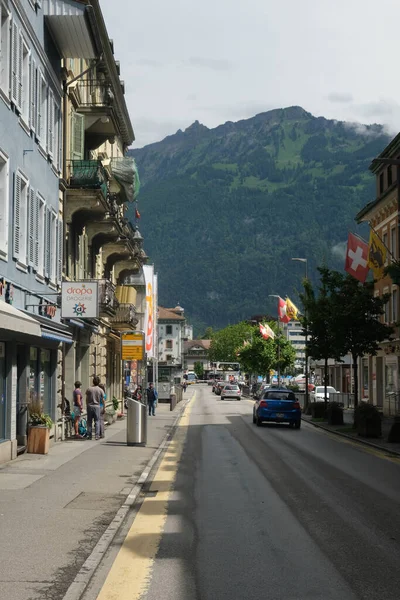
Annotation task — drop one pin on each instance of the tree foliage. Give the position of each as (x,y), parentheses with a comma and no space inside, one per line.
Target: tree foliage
(199,369)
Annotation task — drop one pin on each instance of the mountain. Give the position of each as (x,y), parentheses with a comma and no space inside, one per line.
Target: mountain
(224,210)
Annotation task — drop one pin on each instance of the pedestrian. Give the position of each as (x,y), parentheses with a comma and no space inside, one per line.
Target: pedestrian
(78,407)
(151,399)
(102,409)
(94,395)
(184,385)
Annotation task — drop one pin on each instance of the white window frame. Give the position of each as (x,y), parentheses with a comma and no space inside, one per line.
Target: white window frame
(41,127)
(4,208)
(53,247)
(5,48)
(50,123)
(33,75)
(20,222)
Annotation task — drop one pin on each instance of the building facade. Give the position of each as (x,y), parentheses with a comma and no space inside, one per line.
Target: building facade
(171,329)
(379,375)
(196,351)
(65,184)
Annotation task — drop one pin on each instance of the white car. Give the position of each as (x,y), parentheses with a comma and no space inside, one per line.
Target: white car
(318,394)
(231,390)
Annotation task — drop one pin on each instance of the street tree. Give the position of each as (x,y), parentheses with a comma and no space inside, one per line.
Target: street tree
(319,323)
(258,356)
(357,318)
(199,369)
(226,342)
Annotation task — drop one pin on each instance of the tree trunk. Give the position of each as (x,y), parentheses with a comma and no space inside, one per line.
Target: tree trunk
(355,370)
(325,381)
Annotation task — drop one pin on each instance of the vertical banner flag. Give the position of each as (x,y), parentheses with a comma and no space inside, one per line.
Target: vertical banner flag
(291,310)
(148,271)
(357,258)
(282,311)
(155,314)
(377,254)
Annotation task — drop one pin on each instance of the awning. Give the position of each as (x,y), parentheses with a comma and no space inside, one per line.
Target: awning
(16,320)
(51,330)
(71,26)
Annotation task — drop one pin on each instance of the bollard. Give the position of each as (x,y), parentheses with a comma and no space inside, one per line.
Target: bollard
(172,401)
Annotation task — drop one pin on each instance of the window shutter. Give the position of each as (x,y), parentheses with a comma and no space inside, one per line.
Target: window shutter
(19,70)
(50,123)
(39,117)
(32,93)
(47,245)
(31,227)
(60,238)
(14,63)
(77,136)
(36,232)
(17,216)
(60,141)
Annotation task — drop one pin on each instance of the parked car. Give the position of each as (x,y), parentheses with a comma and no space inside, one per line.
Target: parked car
(318,394)
(219,386)
(231,390)
(260,390)
(278,405)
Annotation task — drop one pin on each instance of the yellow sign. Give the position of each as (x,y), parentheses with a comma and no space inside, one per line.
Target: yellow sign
(132,346)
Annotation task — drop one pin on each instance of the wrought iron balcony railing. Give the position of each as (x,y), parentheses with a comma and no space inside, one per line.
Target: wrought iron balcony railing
(108,303)
(94,92)
(125,317)
(87,174)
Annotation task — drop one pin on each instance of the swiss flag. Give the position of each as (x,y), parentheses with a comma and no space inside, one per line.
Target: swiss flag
(357,258)
(282,311)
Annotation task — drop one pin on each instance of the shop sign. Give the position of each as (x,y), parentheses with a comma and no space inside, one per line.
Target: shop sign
(132,346)
(79,300)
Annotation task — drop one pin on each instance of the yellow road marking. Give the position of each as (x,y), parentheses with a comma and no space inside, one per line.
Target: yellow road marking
(130,574)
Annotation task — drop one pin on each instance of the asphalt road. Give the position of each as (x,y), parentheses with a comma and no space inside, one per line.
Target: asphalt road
(274,513)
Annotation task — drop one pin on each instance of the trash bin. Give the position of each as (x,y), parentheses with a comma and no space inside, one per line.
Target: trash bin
(136,423)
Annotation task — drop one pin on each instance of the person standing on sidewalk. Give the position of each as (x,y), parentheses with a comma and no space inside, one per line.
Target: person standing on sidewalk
(94,396)
(78,407)
(102,409)
(151,399)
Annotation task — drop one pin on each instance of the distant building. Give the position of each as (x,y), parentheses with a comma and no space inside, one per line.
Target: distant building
(294,334)
(196,351)
(171,329)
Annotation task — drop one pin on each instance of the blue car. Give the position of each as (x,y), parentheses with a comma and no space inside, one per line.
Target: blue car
(277,405)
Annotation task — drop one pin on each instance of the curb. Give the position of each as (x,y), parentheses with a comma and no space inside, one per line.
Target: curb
(354,439)
(87,570)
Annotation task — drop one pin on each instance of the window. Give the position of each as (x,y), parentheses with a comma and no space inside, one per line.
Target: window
(25,81)
(50,123)
(385,243)
(60,239)
(168,330)
(168,344)
(389,175)
(41,126)
(16,66)
(20,218)
(4,50)
(33,76)
(393,242)
(386,315)
(53,247)
(50,247)
(77,136)
(168,357)
(394,305)
(381,183)
(4,196)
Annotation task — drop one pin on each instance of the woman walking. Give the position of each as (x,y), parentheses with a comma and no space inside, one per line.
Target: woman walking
(78,407)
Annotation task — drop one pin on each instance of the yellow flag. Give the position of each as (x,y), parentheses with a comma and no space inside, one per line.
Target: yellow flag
(377,253)
(291,310)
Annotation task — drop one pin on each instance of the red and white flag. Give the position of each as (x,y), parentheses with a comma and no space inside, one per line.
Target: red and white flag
(282,311)
(357,258)
(266,332)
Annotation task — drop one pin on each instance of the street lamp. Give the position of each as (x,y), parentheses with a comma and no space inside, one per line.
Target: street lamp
(279,343)
(304,260)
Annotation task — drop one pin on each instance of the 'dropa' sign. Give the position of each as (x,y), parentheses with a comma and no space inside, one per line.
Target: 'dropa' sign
(79,300)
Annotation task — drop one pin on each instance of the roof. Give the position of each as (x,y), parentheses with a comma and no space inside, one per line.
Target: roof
(189,344)
(393,148)
(168,314)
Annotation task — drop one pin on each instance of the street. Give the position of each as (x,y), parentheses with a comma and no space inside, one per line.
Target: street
(234,511)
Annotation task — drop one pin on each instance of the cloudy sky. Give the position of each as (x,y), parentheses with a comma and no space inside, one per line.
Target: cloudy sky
(225,60)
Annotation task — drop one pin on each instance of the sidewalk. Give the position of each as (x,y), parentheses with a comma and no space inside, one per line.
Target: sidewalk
(347,431)
(54,508)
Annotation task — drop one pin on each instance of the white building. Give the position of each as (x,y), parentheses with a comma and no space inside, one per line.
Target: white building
(294,333)
(171,330)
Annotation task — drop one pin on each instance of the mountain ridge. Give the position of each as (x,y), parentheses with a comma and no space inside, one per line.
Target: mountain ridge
(247,196)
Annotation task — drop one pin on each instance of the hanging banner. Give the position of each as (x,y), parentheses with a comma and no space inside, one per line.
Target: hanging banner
(155,313)
(79,300)
(148,271)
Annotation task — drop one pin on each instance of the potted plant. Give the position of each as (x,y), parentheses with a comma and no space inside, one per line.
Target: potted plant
(367,420)
(334,414)
(38,428)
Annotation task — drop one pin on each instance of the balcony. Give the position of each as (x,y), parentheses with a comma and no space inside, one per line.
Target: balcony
(87,174)
(108,303)
(125,318)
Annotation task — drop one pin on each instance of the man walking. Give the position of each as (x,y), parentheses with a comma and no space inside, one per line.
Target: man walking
(151,399)
(94,397)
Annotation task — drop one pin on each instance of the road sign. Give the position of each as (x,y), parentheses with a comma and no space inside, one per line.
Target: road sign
(132,346)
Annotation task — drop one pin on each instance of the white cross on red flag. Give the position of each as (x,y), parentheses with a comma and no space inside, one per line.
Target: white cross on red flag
(357,258)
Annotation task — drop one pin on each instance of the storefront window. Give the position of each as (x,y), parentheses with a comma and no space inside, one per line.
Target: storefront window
(390,377)
(33,372)
(40,377)
(3,403)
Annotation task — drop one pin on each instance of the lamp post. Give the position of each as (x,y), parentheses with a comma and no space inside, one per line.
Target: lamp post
(279,343)
(304,260)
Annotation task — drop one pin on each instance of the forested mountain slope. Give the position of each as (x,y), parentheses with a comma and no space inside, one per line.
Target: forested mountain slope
(224,210)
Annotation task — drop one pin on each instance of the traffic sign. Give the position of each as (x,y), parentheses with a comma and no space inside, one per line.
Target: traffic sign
(132,346)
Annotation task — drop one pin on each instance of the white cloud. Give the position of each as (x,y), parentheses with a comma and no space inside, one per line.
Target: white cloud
(339,250)
(217,61)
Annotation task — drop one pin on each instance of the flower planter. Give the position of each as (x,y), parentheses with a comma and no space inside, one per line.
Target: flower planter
(38,439)
(110,418)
